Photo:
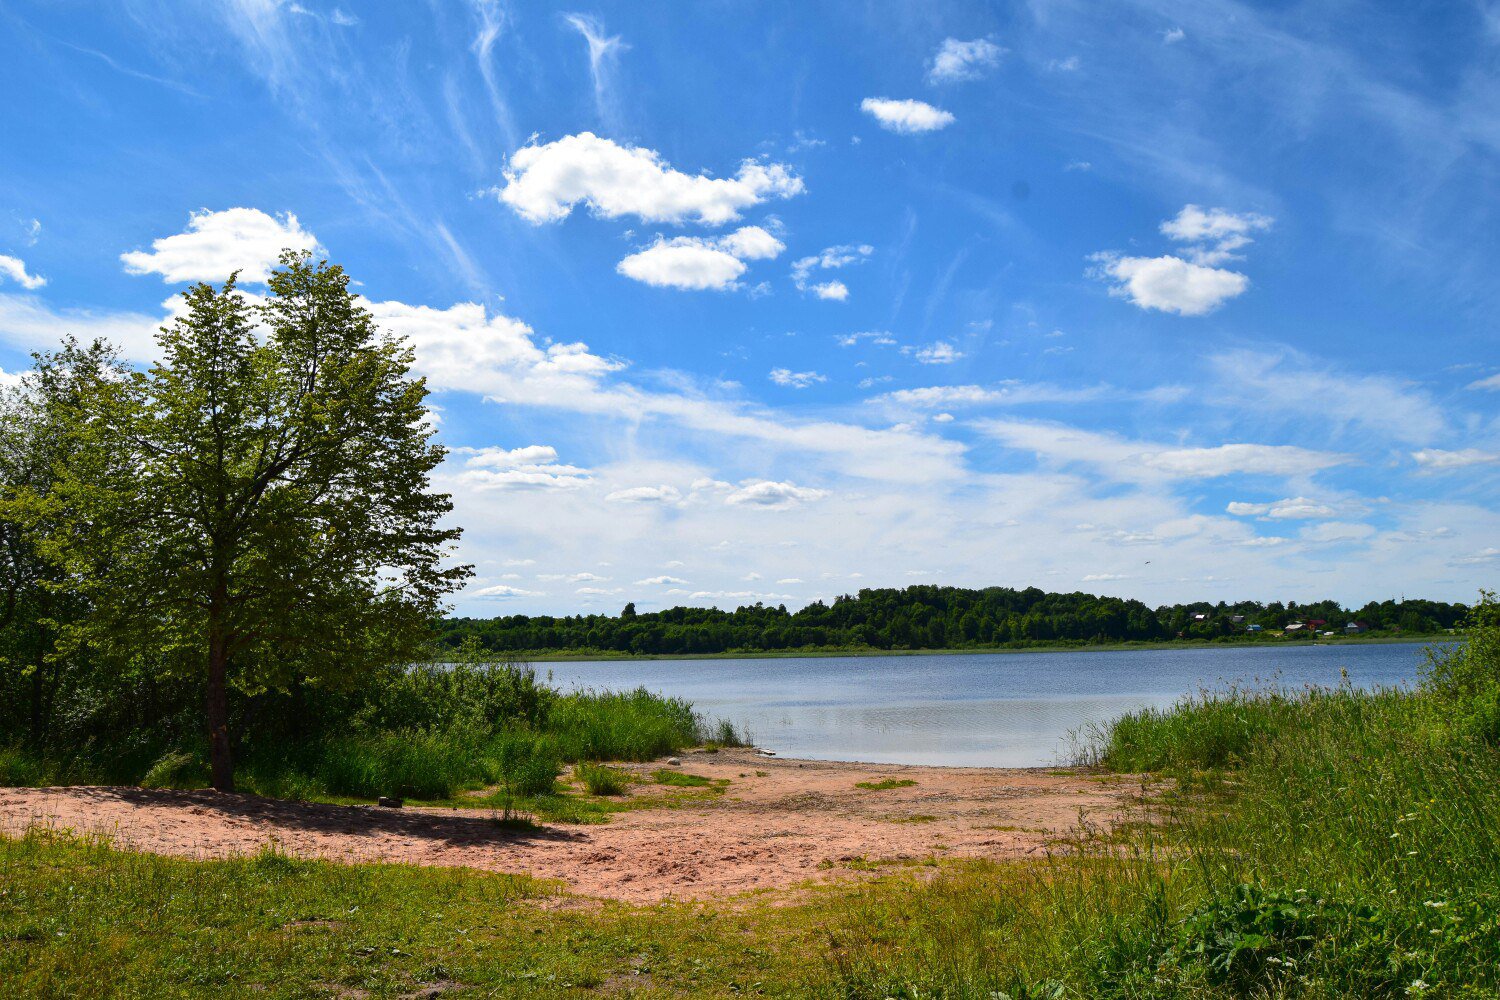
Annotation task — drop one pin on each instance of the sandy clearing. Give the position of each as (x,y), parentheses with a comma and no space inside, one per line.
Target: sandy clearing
(780,823)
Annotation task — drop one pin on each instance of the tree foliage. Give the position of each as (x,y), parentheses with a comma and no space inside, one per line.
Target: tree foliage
(254,509)
(926,617)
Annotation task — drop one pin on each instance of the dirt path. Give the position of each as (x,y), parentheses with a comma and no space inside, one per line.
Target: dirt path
(779,823)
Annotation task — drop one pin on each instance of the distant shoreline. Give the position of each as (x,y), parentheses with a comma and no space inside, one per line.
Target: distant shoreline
(782,654)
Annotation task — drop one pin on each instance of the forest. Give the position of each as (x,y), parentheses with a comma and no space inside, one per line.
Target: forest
(932,617)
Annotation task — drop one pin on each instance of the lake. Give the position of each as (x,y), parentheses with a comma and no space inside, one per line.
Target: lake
(980,709)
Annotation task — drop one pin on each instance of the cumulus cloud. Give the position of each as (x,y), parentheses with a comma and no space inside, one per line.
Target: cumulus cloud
(906,117)
(1171,284)
(1492,383)
(939,353)
(796,380)
(646,494)
(216,244)
(1291,508)
(878,337)
(15,269)
(1172,36)
(769,495)
(534,467)
(1213,235)
(1437,460)
(661,581)
(543,183)
(1191,284)
(958,60)
(828,259)
(686,263)
(502,591)
(697,263)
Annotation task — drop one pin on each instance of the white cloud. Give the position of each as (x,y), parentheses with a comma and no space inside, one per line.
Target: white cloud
(28,323)
(603,51)
(661,581)
(829,258)
(772,495)
(534,467)
(1129,460)
(1483,557)
(751,243)
(15,269)
(1171,284)
(958,60)
(1287,381)
(1012,393)
(216,244)
(696,263)
(573,577)
(1437,460)
(906,117)
(599,591)
(938,353)
(545,182)
(1068,65)
(646,494)
(1213,235)
(1172,36)
(685,263)
(795,380)
(1492,383)
(1289,509)
(502,591)
(788,581)
(1193,284)
(1103,577)
(878,337)
(1336,531)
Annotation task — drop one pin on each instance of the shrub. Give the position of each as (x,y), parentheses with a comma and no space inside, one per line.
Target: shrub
(601,780)
(19,769)
(525,763)
(177,769)
(403,763)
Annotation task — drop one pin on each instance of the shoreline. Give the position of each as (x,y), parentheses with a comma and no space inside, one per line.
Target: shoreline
(1111,647)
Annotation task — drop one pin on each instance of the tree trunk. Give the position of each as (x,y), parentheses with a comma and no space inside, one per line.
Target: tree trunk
(221,756)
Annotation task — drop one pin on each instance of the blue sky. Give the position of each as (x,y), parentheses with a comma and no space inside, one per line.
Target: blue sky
(725,302)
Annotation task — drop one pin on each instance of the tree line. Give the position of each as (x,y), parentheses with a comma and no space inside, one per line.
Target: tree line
(214,544)
(928,617)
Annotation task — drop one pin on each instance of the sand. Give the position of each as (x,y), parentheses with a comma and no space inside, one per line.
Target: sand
(779,824)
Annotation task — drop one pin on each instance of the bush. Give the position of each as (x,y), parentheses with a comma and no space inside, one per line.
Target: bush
(525,763)
(403,764)
(177,769)
(601,780)
(19,769)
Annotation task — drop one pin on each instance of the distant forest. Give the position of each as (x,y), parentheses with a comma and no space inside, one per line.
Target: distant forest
(926,617)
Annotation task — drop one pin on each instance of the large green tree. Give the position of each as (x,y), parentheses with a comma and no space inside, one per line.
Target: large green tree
(255,509)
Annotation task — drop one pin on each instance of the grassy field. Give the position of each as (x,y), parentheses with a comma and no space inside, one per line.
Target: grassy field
(1309,844)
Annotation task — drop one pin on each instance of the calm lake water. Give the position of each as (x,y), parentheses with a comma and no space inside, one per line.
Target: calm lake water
(988,709)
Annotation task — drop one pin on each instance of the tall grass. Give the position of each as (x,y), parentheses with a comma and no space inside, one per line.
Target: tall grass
(1351,848)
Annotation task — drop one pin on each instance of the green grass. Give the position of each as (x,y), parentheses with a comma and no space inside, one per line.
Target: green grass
(81,920)
(885,784)
(681,779)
